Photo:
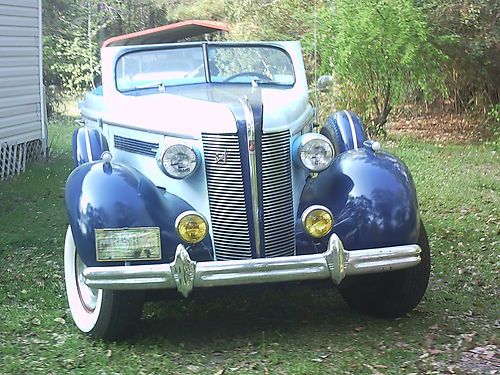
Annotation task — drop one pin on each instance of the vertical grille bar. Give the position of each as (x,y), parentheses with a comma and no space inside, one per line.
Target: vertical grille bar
(226,192)
(226,196)
(277,195)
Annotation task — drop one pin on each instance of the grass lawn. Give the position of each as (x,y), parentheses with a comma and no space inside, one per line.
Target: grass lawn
(278,331)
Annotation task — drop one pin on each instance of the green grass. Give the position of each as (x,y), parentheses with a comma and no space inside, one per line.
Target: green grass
(277,331)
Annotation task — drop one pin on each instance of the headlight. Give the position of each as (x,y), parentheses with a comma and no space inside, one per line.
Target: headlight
(315,152)
(179,161)
(191,227)
(317,221)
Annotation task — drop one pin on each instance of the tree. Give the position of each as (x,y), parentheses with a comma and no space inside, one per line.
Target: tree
(75,30)
(379,51)
(469,33)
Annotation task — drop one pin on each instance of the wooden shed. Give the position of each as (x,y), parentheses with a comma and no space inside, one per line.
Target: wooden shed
(23,132)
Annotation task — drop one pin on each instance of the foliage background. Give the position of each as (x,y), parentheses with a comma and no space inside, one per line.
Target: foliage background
(454,330)
(382,53)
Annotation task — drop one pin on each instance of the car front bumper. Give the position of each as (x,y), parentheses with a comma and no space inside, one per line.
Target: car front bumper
(185,274)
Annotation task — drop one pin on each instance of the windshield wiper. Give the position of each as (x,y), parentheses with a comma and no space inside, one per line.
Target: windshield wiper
(257,82)
(155,85)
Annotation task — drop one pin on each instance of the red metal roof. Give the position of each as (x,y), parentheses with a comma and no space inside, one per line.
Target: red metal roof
(167,34)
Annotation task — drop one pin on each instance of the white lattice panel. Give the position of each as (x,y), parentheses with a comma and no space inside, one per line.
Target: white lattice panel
(13,158)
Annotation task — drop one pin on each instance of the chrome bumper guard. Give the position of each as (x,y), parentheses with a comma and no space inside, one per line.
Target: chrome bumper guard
(185,274)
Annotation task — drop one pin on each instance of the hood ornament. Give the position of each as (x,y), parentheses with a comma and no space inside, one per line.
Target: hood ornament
(221,157)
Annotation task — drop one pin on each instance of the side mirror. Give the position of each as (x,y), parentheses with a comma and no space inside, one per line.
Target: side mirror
(97,80)
(324,83)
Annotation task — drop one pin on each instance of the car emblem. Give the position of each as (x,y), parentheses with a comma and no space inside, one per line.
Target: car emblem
(221,157)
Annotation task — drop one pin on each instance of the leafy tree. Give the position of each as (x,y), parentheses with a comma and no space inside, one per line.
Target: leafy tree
(469,33)
(262,20)
(379,52)
(74,32)
(253,19)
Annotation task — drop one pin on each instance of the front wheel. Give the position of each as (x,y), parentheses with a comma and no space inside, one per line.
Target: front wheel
(390,294)
(101,313)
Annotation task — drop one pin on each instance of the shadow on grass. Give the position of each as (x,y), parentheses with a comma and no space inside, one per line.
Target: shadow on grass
(249,314)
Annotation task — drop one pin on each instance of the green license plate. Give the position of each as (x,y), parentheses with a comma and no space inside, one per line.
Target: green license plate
(127,244)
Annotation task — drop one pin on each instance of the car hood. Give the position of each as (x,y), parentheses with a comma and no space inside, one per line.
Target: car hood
(215,108)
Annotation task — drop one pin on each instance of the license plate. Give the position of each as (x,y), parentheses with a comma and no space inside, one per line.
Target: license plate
(127,244)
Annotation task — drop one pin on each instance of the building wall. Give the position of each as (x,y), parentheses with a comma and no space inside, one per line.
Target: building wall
(21,99)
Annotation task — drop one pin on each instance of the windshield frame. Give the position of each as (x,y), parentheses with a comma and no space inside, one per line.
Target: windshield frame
(208,79)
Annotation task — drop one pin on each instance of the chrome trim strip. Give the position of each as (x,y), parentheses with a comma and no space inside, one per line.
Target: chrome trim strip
(87,144)
(206,68)
(353,130)
(252,161)
(185,274)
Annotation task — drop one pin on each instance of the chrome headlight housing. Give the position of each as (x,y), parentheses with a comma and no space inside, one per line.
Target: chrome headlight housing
(179,161)
(315,152)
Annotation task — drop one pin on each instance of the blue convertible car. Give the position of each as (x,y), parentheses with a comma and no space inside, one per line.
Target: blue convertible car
(199,165)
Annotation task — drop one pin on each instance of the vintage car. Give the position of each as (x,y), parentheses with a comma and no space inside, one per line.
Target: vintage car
(199,165)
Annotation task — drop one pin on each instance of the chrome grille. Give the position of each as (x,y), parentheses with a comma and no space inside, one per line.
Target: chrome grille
(135,146)
(277,195)
(226,196)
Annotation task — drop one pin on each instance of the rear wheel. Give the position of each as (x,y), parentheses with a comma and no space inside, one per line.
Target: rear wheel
(101,313)
(390,294)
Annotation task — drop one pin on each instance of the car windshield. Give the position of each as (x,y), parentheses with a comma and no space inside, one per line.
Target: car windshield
(186,65)
(154,68)
(243,64)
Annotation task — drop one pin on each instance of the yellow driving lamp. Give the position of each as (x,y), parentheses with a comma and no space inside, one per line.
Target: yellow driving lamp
(191,227)
(317,221)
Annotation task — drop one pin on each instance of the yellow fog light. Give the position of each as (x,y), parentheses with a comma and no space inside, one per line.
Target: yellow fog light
(191,227)
(317,221)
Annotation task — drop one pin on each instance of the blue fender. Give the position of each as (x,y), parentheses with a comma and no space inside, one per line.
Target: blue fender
(372,198)
(345,130)
(88,145)
(111,195)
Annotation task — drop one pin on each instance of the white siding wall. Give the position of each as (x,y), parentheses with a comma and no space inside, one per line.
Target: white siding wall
(21,118)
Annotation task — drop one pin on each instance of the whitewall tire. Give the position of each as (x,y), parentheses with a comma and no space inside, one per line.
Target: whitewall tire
(101,313)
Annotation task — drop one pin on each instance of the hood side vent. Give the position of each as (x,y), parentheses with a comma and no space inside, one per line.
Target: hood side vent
(135,146)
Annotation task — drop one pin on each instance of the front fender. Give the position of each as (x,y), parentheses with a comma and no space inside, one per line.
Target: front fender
(88,145)
(372,198)
(111,195)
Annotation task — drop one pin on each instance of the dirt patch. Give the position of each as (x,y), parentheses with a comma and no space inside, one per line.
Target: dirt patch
(443,127)
(480,360)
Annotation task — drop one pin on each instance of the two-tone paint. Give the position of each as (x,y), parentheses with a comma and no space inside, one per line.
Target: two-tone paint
(88,145)
(371,194)
(345,130)
(110,195)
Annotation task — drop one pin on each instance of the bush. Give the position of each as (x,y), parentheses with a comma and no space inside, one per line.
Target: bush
(379,52)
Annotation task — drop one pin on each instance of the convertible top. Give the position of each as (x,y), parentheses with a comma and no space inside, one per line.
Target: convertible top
(167,34)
